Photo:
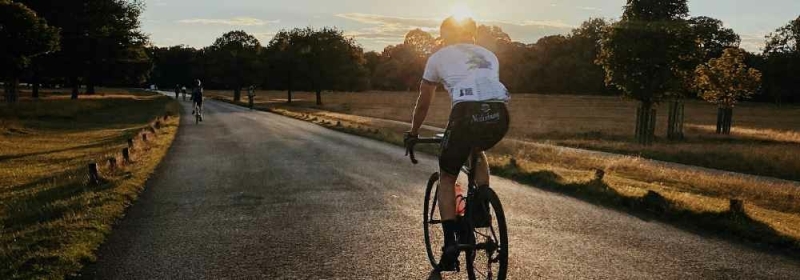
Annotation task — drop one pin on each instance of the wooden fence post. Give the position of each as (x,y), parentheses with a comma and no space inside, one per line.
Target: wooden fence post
(112,163)
(144,137)
(130,143)
(126,155)
(737,207)
(94,178)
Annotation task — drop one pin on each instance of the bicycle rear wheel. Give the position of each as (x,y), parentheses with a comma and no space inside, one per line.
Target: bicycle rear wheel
(434,236)
(490,258)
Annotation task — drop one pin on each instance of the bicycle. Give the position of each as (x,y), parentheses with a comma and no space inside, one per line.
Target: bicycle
(486,248)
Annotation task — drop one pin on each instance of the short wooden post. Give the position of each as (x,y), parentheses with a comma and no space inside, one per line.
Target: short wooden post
(126,155)
(599,174)
(112,163)
(158,124)
(94,178)
(130,143)
(513,163)
(151,129)
(737,207)
(144,137)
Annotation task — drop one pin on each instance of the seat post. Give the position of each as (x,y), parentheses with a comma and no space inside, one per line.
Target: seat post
(473,164)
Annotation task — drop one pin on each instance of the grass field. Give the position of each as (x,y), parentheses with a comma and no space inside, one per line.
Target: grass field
(694,198)
(765,139)
(51,219)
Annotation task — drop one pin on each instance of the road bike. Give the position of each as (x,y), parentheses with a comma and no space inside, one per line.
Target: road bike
(483,238)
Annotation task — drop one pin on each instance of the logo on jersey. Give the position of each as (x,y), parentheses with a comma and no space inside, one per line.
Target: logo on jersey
(465,92)
(485,108)
(476,60)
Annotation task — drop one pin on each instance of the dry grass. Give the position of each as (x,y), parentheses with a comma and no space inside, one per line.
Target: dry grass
(695,198)
(764,139)
(51,219)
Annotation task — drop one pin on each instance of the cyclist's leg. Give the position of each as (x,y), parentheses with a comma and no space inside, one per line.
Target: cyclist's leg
(482,170)
(455,151)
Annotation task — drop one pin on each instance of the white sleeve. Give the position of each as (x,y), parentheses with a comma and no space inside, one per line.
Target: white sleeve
(431,73)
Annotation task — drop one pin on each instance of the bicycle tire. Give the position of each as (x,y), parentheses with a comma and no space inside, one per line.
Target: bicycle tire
(429,225)
(501,254)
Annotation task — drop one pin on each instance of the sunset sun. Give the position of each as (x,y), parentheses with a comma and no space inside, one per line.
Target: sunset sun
(460,11)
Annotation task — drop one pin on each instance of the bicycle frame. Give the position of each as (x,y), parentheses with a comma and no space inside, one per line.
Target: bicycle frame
(471,184)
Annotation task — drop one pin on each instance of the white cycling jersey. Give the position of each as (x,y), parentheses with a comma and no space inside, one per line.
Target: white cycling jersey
(468,72)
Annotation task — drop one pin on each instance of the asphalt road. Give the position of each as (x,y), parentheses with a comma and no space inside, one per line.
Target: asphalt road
(253,195)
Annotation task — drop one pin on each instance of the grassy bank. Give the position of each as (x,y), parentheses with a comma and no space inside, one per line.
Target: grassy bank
(694,199)
(764,141)
(51,218)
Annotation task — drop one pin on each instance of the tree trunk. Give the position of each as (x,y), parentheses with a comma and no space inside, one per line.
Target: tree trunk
(724,120)
(645,123)
(728,121)
(289,84)
(319,97)
(35,81)
(75,86)
(676,119)
(237,93)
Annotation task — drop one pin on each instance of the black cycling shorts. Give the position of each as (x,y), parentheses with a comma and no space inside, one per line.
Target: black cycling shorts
(473,125)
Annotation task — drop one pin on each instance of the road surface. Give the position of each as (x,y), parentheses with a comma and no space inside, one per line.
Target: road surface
(253,195)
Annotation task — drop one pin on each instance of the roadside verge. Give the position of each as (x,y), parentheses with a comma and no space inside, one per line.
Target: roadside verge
(56,210)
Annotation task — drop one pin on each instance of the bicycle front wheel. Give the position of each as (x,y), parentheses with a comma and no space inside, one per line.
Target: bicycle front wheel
(490,259)
(431,221)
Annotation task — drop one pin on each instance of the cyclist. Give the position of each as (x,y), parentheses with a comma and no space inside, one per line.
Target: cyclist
(251,93)
(197,99)
(177,91)
(478,119)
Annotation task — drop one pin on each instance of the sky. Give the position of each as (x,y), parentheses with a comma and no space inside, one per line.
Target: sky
(378,23)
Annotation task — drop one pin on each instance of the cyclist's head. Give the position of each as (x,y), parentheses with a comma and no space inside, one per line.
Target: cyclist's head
(198,83)
(456,31)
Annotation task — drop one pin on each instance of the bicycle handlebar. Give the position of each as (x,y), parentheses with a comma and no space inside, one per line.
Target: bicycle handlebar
(414,141)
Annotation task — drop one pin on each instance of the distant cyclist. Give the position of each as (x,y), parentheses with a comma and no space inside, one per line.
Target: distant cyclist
(478,118)
(197,99)
(177,91)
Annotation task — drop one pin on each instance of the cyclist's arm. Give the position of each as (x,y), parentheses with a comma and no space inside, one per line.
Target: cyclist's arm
(426,91)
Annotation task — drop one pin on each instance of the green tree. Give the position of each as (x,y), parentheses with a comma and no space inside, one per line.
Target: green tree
(235,59)
(333,61)
(420,41)
(98,37)
(23,35)
(782,55)
(173,65)
(491,37)
(713,37)
(646,56)
(726,80)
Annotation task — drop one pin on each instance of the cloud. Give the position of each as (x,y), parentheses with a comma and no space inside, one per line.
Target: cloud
(390,20)
(752,43)
(237,21)
(593,9)
(393,29)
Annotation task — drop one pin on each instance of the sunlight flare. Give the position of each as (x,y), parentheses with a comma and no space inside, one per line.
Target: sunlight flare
(461,11)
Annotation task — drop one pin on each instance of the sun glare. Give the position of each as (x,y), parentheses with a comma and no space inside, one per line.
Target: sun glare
(461,11)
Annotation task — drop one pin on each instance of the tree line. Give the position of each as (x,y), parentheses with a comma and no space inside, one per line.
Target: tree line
(72,43)
(94,42)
